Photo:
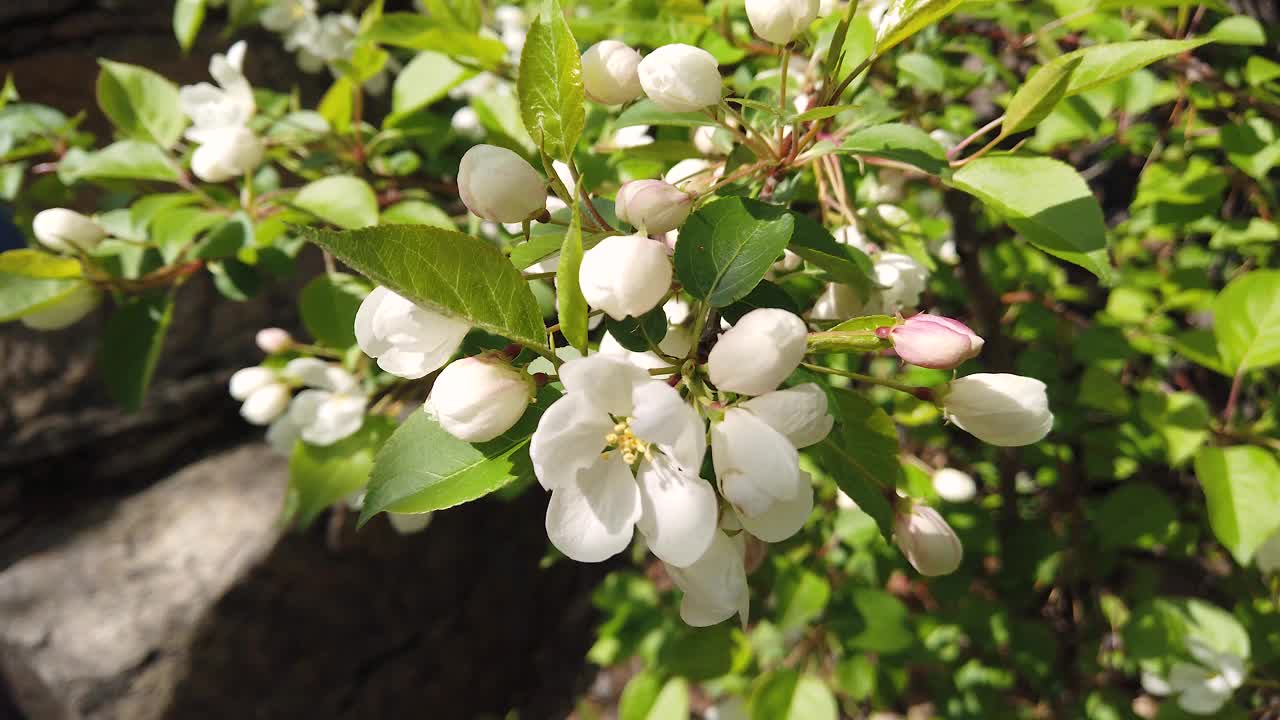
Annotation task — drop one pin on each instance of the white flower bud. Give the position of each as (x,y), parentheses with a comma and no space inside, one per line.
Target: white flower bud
(999,408)
(265,403)
(758,352)
(625,275)
(902,279)
(497,184)
(694,175)
(408,341)
(929,543)
(66,231)
(954,485)
(65,311)
(476,399)
(837,302)
(466,123)
(779,21)
(932,341)
(790,262)
(653,206)
(609,73)
(226,153)
(681,78)
(273,340)
(247,380)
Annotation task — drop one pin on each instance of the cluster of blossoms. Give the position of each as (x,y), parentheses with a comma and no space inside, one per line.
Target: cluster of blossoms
(320,41)
(220,120)
(329,408)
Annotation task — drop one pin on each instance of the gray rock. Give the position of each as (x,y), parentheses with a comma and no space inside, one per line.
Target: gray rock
(105,614)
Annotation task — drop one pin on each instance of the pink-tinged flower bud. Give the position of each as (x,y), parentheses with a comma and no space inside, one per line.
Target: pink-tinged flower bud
(932,341)
(273,340)
(929,543)
(497,184)
(653,206)
(609,73)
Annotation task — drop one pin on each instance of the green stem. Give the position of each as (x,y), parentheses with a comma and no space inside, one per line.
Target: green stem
(909,389)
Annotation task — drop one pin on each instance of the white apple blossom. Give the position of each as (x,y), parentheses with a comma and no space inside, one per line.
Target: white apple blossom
(466,123)
(676,343)
(625,275)
(694,175)
(709,140)
(954,485)
(715,585)
(780,21)
(1201,687)
(632,136)
(933,341)
(653,206)
(677,310)
(497,184)
(850,235)
(226,153)
(229,105)
(620,450)
(263,393)
(407,340)
(66,231)
(838,302)
(332,407)
(999,408)
(282,16)
(65,310)
(476,399)
(609,73)
(901,280)
(758,352)
(681,78)
(928,542)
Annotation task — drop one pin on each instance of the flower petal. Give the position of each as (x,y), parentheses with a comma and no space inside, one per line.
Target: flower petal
(334,416)
(784,518)
(609,380)
(679,511)
(715,586)
(662,417)
(756,465)
(1203,699)
(593,518)
(800,413)
(1155,684)
(569,439)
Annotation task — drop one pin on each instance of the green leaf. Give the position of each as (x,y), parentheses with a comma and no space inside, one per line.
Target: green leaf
(639,695)
(1181,419)
(338,104)
(419,32)
(1252,146)
(921,71)
(33,263)
(1046,201)
(644,112)
(343,200)
(862,455)
(896,141)
(763,295)
(21,294)
(571,306)
(424,468)
(455,274)
(1039,95)
(1242,488)
(131,347)
(1135,514)
(1239,30)
(550,85)
(126,160)
(1260,71)
(802,596)
(328,305)
(639,334)
(1101,64)
(726,248)
(140,103)
(904,18)
(845,264)
(227,239)
(853,335)
(322,476)
(427,78)
(1246,321)
(821,113)
(188,16)
(788,695)
(878,623)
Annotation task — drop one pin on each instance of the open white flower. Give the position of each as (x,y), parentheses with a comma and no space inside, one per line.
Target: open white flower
(225,153)
(407,340)
(676,343)
(262,392)
(622,450)
(1202,687)
(715,585)
(228,105)
(757,466)
(901,280)
(332,409)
